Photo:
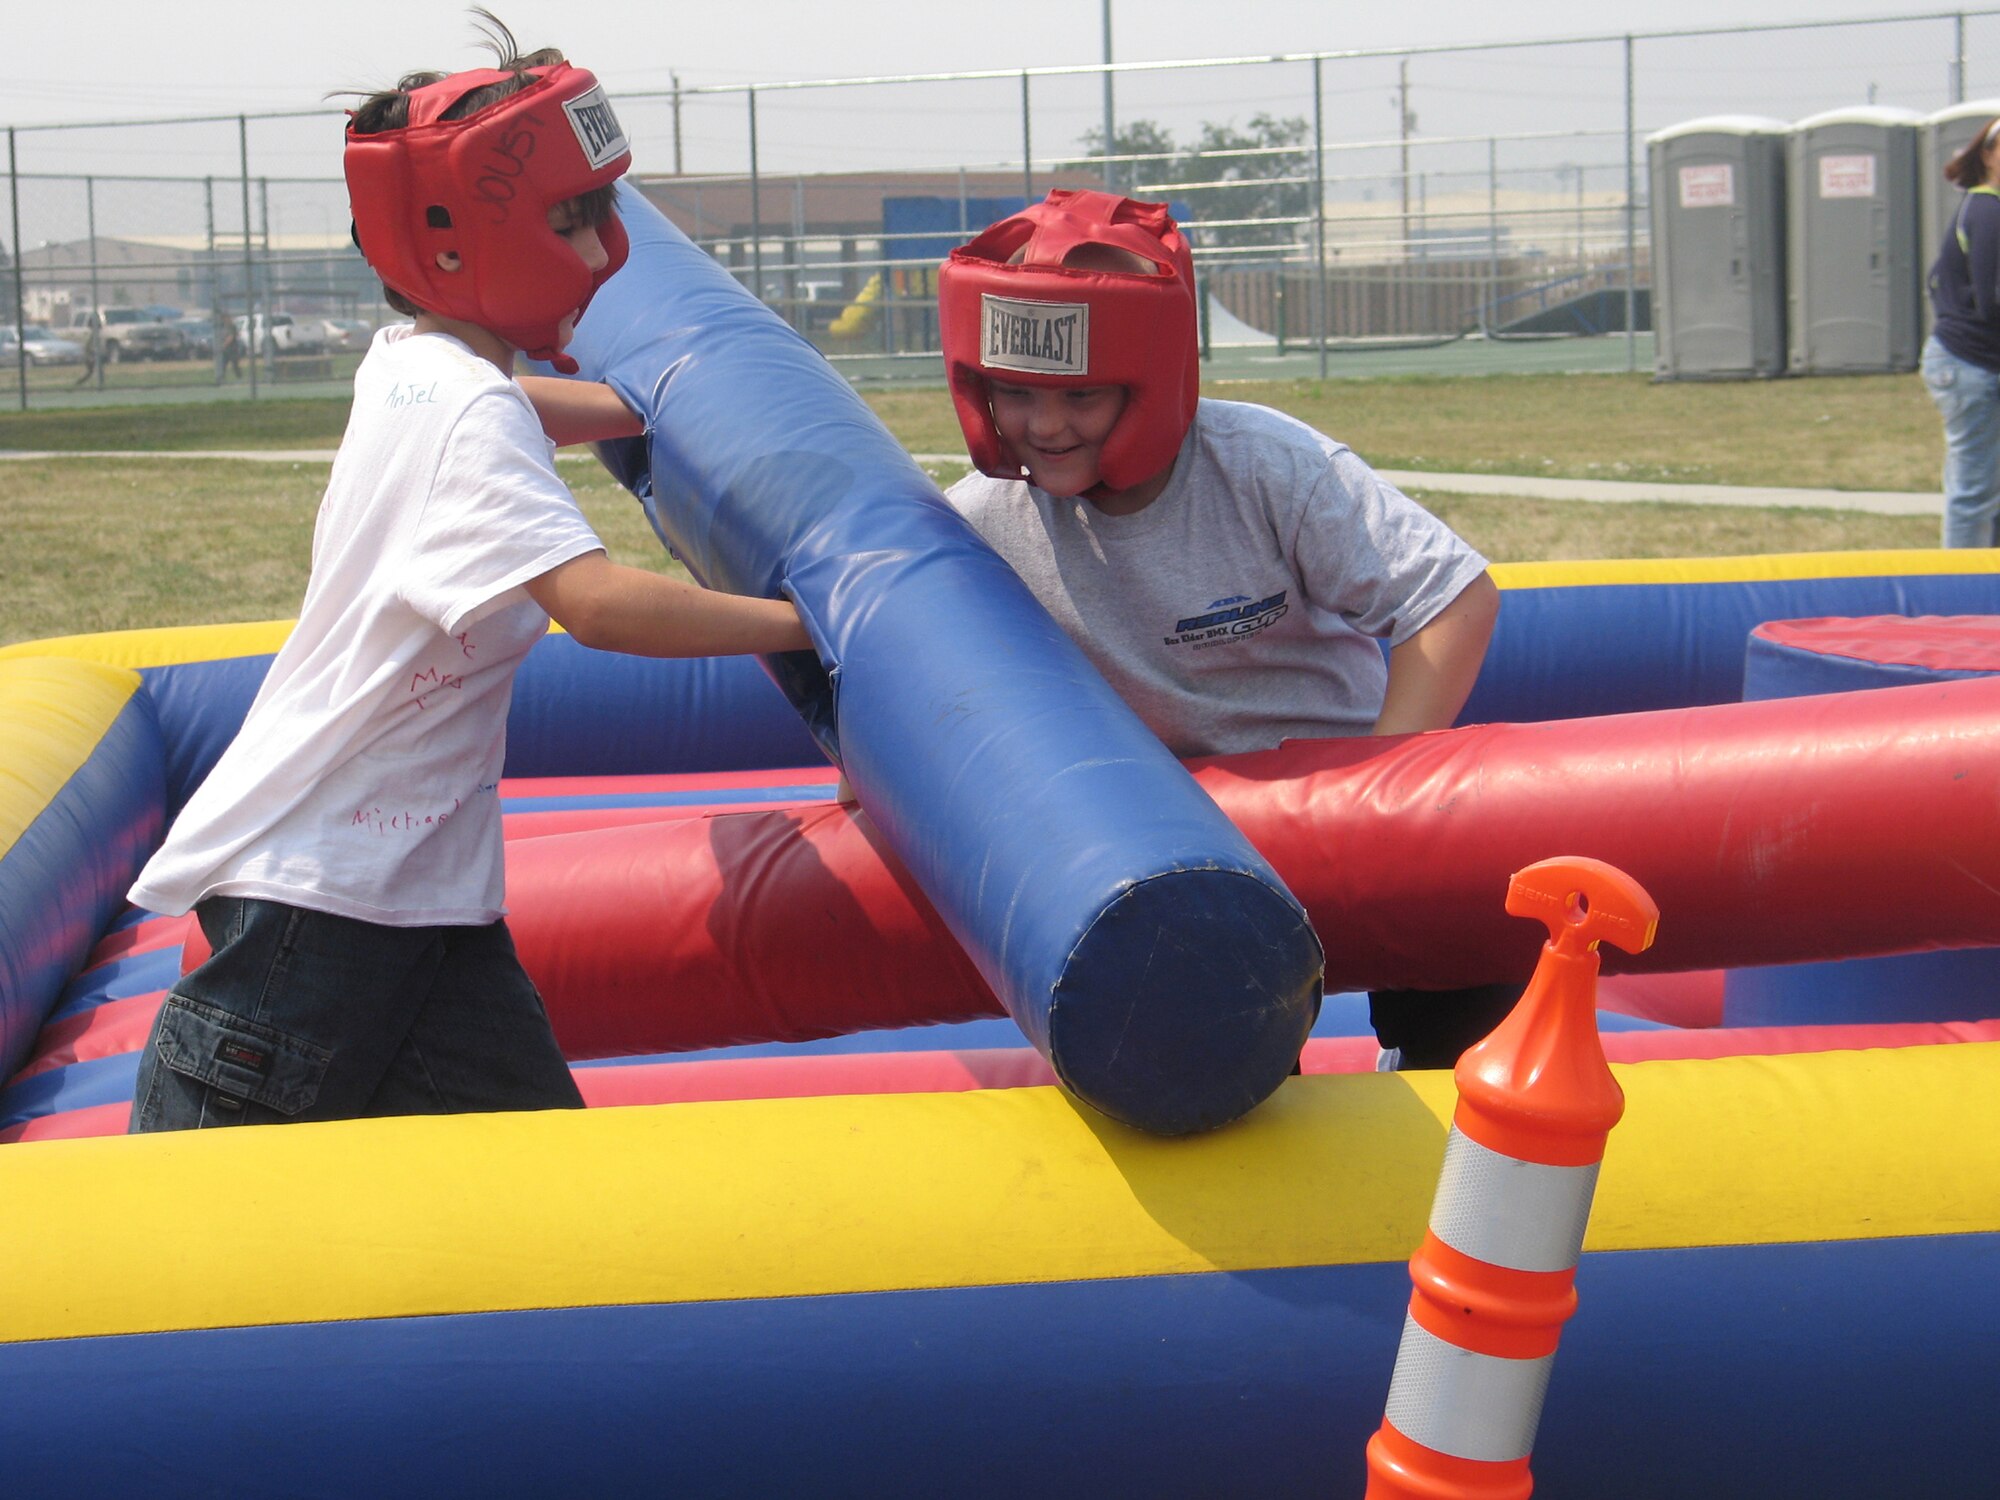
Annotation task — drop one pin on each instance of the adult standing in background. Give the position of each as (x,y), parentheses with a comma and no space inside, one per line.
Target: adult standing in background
(93,350)
(1961,362)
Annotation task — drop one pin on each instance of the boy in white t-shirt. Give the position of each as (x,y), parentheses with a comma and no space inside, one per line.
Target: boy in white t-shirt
(1230,571)
(344,856)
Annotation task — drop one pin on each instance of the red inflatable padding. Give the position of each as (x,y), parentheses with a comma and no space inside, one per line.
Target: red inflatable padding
(1776,1041)
(105,1030)
(1785,831)
(1942,643)
(148,936)
(775,926)
(807,1077)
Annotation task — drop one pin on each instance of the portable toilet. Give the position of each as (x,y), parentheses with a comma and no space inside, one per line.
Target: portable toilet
(1855,269)
(1945,134)
(1718,234)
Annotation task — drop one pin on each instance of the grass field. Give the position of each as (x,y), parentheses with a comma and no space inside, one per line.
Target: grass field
(108,543)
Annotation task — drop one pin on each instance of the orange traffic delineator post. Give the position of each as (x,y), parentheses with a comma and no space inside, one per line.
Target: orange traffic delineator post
(1495,1277)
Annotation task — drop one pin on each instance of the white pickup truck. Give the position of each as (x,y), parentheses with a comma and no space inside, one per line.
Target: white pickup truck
(279,333)
(129,333)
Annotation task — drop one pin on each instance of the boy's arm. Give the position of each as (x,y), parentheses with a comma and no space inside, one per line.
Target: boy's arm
(610,607)
(1431,674)
(579,411)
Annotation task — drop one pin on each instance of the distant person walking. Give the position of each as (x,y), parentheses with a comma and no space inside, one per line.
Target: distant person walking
(1961,362)
(93,352)
(228,348)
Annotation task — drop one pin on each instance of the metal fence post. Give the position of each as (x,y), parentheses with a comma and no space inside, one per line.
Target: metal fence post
(1631,225)
(756,206)
(249,261)
(1492,304)
(20,298)
(96,296)
(215,312)
(1319,219)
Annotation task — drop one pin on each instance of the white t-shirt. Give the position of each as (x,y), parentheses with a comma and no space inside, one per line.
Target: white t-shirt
(1244,606)
(364,780)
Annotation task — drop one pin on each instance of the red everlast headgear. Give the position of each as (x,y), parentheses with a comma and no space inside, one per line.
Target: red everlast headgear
(1040,322)
(496,174)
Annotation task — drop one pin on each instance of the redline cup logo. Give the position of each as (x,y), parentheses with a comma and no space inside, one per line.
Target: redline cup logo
(1036,338)
(597,129)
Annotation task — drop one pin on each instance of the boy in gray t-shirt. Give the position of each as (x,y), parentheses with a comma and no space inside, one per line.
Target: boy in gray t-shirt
(1229,570)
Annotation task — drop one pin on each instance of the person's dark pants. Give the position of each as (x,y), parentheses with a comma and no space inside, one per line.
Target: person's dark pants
(300,1015)
(1432,1027)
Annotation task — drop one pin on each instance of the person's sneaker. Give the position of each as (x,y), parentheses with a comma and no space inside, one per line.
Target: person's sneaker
(1388,1059)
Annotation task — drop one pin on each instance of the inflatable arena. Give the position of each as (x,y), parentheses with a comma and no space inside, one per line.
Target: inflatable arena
(948,1141)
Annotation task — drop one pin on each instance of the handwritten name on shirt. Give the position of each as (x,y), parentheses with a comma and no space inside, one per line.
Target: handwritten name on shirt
(427,684)
(400,820)
(401,394)
(383,822)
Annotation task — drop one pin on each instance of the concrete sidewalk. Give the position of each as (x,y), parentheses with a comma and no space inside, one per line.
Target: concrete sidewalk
(1882,502)
(1529,487)
(1535,487)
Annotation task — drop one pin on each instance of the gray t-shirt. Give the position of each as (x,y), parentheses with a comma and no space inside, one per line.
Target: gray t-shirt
(1245,605)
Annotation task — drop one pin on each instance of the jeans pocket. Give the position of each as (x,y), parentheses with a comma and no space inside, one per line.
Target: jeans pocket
(239,1059)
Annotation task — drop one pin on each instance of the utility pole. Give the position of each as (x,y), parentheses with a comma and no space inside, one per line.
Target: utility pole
(676,80)
(1110,119)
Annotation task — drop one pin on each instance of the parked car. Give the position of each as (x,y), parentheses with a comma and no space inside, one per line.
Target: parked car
(130,333)
(348,333)
(280,333)
(199,334)
(45,347)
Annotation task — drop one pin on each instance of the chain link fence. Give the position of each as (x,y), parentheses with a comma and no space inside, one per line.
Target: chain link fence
(1486,196)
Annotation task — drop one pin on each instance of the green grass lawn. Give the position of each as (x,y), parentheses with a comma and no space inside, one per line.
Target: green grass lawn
(117,543)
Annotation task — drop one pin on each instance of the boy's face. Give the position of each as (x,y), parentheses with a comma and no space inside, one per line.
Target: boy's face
(583,239)
(1059,432)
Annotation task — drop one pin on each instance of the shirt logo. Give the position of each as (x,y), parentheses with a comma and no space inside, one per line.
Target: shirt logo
(1229,619)
(597,128)
(1036,338)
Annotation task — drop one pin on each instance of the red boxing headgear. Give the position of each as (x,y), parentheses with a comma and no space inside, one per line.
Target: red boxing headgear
(1040,322)
(496,174)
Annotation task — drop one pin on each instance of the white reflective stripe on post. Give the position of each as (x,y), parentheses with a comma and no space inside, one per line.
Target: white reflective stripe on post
(1520,1215)
(1468,1405)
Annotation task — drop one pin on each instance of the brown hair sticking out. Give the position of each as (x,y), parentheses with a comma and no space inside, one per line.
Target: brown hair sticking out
(1968,168)
(389,109)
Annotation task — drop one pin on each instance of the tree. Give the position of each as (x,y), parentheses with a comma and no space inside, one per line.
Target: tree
(1273,183)
(1262,172)
(1134,138)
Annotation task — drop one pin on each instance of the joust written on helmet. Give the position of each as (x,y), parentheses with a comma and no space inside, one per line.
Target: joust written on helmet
(481,188)
(1044,298)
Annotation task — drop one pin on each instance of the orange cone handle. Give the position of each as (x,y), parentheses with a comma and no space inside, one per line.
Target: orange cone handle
(1495,1276)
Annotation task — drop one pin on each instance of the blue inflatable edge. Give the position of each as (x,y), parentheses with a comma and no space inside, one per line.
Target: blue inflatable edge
(1279,1380)
(67,874)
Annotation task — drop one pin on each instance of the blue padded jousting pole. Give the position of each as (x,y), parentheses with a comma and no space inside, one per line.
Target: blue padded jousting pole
(1143,946)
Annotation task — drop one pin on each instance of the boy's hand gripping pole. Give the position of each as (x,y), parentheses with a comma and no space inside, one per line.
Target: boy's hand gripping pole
(1495,1276)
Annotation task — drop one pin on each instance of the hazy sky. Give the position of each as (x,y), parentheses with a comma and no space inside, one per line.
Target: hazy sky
(119,59)
(1557,112)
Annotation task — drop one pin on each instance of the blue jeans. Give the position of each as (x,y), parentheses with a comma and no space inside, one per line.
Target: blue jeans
(1969,397)
(299,1015)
